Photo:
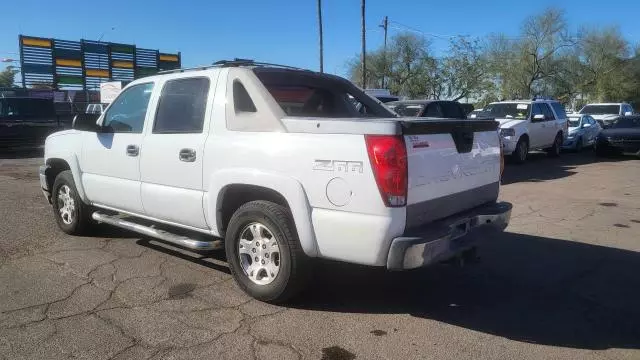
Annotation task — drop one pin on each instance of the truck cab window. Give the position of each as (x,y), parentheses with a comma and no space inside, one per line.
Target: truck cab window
(241,100)
(182,106)
(128,111)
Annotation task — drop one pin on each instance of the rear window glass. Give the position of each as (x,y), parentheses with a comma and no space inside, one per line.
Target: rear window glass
(409,110)
(307,94)
(601,110)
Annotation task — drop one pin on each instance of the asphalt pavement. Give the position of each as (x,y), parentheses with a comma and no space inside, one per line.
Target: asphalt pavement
(563,282)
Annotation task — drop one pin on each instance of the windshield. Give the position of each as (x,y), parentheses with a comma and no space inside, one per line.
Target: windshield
(574,121)
(627,122)
(408,110)
(507,110)
(600,110)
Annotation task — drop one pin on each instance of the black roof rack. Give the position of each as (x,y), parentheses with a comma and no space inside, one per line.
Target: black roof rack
(237,62)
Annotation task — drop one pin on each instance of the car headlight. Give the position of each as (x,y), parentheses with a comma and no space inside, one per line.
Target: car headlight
(571,136)
(507,132)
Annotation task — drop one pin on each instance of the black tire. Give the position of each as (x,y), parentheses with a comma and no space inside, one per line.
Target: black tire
(554,151)
(579,145)
(600,151)
(294,265)
(521,152)
(80,223)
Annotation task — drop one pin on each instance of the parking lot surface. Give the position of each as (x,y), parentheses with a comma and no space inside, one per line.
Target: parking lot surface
(562,282)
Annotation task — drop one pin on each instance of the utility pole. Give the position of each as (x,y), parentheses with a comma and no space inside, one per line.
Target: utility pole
(385,26)
(364,49)
(320,32)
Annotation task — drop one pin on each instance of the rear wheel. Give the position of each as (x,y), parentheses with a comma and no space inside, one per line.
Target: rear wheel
(264,253)
(72,215)
(522,150)
(554,150)
(579,144)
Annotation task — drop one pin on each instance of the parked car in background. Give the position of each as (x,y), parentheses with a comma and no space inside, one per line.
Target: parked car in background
(276,165)
(583,130)
(475,113)
(384,95)
(468,108)
(443,109)
(26,121)
(95,108)
(529,124)
(606,113)
(623,136)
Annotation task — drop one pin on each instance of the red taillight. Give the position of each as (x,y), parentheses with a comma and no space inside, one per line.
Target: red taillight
(388,157)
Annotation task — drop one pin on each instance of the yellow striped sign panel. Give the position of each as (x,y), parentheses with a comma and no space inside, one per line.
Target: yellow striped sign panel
(173,58)
(66,62)
(122,64)
(97,73)
(36,42)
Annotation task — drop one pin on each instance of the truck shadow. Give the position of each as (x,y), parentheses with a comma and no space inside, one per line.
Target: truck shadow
(525,288)
(539,167)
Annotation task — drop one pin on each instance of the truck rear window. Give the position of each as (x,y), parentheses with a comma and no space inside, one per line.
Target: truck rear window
(308,94)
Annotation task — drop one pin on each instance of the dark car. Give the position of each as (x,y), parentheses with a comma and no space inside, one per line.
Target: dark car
(623,136)
(444,109)
(26,121)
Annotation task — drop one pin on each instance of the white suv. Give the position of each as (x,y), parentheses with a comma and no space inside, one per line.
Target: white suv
(605,113)
(529,124)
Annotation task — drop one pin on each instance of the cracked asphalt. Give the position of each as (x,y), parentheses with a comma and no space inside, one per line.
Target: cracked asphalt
(562,282)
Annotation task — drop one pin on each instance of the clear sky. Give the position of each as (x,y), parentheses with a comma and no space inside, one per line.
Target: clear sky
(285,31)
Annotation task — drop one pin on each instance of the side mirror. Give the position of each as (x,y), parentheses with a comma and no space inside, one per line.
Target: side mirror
(628,113)
(539,117)
(86,122)
(585,126)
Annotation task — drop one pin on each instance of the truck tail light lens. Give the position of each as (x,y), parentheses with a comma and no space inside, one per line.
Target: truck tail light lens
(388,157)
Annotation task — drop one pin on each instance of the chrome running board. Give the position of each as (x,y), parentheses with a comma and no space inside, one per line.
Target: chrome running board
(180,240)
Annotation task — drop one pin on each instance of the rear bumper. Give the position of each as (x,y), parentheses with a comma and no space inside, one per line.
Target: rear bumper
(619,146)
(445,238)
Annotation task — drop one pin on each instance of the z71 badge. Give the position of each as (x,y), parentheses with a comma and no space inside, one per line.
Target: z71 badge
(338,166)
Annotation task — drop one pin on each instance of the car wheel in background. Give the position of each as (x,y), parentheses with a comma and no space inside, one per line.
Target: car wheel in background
(521,152)
(579,144)
(554,151)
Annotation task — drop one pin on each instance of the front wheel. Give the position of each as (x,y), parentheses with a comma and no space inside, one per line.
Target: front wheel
(554,151)
(521,151)
(264,253)
(579,145)
(72,215)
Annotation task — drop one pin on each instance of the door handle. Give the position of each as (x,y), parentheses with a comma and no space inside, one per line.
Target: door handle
(133,150)
(187,155)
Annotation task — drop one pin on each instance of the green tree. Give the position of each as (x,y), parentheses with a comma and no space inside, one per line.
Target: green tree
(7,77)
(604,54)
(524,66)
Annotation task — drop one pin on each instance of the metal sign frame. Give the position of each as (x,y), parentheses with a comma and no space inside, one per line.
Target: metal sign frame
(85,64)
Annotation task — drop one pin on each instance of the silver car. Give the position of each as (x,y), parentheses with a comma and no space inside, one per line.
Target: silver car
(583,130)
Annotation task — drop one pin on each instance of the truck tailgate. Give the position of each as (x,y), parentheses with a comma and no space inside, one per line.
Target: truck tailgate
(453,166)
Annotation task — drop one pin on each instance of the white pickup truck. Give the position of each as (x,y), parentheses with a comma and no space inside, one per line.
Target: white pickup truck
(278,166)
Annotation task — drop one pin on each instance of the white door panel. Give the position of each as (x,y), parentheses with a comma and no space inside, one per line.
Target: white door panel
(536,133)
(171,161)
(171,187)
(169,203)
(115,192)
(111,175)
